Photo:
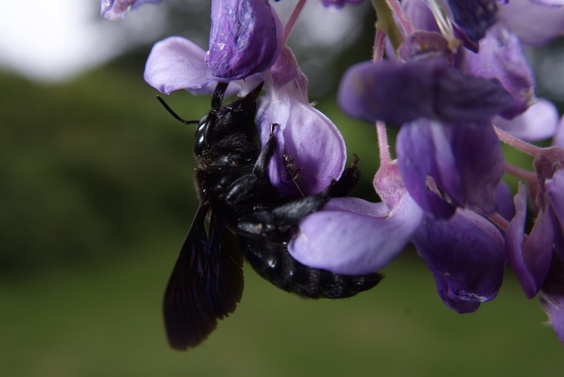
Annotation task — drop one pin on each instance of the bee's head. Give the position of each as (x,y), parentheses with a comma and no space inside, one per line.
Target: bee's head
(224,122)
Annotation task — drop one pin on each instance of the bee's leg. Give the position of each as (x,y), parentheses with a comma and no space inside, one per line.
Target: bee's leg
(260,170)
(348,180)
(244,185)
(282,221)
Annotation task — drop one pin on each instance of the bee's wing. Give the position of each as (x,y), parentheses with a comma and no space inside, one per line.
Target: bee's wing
(206,283)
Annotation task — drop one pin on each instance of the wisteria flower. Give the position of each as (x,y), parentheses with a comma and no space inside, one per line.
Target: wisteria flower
(319,163)
(245,40)
(464,160)
(353,236)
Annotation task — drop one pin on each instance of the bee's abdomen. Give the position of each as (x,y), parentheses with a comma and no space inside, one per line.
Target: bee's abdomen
(275,264)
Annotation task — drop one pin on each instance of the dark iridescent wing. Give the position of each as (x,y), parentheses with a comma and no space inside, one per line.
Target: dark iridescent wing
(206,283)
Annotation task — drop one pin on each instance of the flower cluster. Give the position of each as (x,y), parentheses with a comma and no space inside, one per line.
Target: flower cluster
(452,77)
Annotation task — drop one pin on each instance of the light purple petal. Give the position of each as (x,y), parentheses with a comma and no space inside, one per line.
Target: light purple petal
(549,3)
(352,236)
(538,122)
(116,9)
(465,255)
(534,24)
(245,38)
(177,63)
(501,57)
(504,201)
(308,136)
(464,160)
(559,137)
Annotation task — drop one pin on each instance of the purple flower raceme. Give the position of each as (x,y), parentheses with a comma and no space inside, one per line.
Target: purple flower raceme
(116,9)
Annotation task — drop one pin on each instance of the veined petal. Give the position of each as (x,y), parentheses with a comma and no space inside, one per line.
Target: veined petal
(116,9)
(501,57)
(245,38)
(177,63)
(465,255)
(352,236)
(464,161)
(306,135)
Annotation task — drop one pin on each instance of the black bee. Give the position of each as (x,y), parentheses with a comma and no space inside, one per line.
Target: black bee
(248,218)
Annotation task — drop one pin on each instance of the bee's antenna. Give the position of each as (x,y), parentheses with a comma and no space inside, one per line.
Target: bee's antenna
(175,115)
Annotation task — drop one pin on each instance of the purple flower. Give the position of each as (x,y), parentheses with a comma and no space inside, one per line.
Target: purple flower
(538,122)
(176,63)
(307,135)
(465,255)
(474,17)
(245,38)
(116,9)
(501,57)
(529,257)
(449,165)
(534,24)
(430,88)
(353,236)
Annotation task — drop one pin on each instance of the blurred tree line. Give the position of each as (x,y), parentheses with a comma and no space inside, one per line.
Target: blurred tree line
(93,165)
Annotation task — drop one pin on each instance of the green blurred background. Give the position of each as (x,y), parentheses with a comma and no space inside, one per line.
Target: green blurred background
(96,195)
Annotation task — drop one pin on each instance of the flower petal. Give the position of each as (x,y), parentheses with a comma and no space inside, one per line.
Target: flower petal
(501,57)
(245,38)
(352,236)
(538,122)
(534,24)
(401,92)
(474,17)
(464,160)
(306,135)
(177,63)
(465,255)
